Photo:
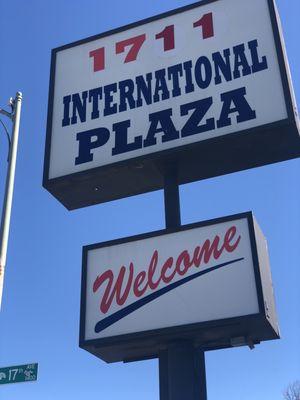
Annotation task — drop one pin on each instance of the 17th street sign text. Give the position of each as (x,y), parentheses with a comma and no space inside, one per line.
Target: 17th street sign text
(18,373)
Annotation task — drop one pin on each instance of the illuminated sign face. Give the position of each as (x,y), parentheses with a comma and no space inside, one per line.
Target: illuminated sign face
(201,274)
(172,85)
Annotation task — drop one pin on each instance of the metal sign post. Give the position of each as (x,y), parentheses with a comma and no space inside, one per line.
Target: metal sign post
(182,372)
(9,188)
(181,365)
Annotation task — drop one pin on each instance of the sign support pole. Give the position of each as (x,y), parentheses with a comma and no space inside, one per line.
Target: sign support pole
(181,366)
(171,196)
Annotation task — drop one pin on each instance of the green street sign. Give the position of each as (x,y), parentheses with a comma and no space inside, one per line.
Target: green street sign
(18,373)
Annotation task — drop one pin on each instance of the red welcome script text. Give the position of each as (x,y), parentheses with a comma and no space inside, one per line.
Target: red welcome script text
(120,289)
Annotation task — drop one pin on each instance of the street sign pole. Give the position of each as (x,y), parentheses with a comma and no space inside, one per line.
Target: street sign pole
(10,178)
(181,365)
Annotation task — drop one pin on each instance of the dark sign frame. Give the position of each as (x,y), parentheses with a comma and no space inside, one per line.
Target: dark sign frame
(210,335)
(234,152)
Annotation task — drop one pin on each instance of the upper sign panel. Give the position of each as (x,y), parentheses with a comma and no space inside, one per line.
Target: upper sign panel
(208,78)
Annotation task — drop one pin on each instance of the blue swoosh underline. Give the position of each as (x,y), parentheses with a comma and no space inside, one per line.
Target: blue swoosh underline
(111,319)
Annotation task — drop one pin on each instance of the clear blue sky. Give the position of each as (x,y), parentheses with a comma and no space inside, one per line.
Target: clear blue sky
(40,312)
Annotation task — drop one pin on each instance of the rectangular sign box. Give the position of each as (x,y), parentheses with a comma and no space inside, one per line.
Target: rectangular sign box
(208,282)
(18,373)
(206,87)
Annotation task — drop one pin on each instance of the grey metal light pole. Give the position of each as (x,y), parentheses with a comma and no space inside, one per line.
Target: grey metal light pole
(9,187)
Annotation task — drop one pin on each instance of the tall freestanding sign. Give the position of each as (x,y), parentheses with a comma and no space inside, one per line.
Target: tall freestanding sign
(198,92)
(206,86)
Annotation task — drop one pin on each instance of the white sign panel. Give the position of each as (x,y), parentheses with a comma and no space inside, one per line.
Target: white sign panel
(196,275)
(209,71)
(109,91)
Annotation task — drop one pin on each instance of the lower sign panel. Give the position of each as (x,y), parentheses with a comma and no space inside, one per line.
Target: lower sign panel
(207,282)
